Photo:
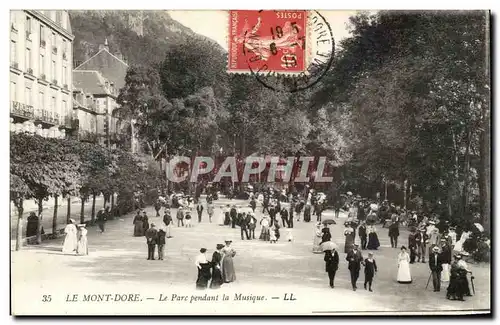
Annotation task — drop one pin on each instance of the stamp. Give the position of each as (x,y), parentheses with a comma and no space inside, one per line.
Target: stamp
(268,40)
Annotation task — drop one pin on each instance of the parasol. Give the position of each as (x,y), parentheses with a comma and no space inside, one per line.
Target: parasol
(479,227)
(349,193)
(328,246)
(374,207)
(329,222)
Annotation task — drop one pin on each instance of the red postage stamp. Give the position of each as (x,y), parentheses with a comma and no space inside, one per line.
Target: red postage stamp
(267,40)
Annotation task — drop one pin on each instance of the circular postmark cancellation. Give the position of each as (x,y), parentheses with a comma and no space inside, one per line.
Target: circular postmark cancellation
(286,51)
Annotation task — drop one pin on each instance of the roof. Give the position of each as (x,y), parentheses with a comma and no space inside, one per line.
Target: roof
(90,82)
(111,67)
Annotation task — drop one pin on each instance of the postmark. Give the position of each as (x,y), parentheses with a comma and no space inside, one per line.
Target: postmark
(317,48)
(273,40)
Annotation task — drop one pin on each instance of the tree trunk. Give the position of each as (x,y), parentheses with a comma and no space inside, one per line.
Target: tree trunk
(68,213)
(112,200)
(82,210)
(39,229)
(19,237)
(54,218)
(465,192)
(93,208)
(385,190)
(405,185)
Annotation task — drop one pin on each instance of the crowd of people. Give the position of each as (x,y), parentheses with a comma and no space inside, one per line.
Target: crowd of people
(439,243)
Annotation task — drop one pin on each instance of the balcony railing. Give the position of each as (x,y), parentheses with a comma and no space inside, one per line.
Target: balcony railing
(29,71)
(54,82)
(65,86)
(54,49)
(28,35)
(46,116)
(65,56)
(43,43)
(15,65)
(22,110)
(43,77)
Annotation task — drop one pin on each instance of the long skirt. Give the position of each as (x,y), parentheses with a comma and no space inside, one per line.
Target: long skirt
(70,244)
(445,274)
(203,276)
(307,214)
(349,242)
(82,248)
(264,234)
(404,275)
(373,242)
(217,280)
(138,229)
(228,273)
(316,245)
(458,287)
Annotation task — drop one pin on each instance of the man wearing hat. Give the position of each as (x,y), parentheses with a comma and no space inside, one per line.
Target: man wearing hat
(355,259)
(421,239)
(434,238)
(436,266)
(180,217)
(151,240)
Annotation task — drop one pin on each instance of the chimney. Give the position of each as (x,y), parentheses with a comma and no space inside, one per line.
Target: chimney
(104,46)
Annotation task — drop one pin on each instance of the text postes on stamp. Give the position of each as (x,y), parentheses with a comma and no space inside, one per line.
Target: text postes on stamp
(267,40)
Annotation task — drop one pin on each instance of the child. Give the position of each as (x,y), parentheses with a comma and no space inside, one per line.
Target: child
(188,219)
(289,235)
(272,235)
(370,270)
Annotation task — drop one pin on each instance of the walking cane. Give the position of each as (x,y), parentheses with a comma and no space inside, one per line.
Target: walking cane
(429,280)
(472,283)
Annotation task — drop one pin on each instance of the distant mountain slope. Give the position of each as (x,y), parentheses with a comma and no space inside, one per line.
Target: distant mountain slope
(138,36)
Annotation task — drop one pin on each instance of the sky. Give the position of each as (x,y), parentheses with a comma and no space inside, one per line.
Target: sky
(214,23)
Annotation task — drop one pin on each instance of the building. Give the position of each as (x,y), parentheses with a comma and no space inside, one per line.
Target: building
(113,70)
(41,82)
(94,100)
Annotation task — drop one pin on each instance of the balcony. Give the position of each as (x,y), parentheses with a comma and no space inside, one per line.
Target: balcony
(54,49)
(65,56)
(45,116)
(14,65)
(43,77)
(22,110)
(43,43)
(29,71)
(28,35)
(54,82)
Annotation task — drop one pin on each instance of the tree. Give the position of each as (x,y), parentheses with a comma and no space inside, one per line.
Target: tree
(19,191)
(47,166)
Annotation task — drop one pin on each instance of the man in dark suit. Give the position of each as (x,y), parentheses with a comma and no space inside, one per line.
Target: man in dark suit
(355,259)
(331,265)
(436,266)
(233,213)
(199,209)
(284,218)
(244,224)
(362,235)
(151,239)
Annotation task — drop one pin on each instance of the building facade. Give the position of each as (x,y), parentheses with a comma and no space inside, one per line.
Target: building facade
(41,81)
(94,103)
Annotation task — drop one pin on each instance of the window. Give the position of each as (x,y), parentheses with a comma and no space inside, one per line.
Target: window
(13,51)
(27,95)
(64,75)
(53,70)
(42,36)
(13,96)
(41,99)
(53,40)
(42,64)
(65,108)
(53,104)
(28,59)
(28,25)
(64,48)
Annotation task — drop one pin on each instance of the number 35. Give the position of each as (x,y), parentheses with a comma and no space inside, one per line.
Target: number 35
(46,298)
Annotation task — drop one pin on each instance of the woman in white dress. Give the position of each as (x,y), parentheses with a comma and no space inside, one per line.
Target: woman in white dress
(404,275)
(82,248)
(70,241)
(459,246)
(317,239)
